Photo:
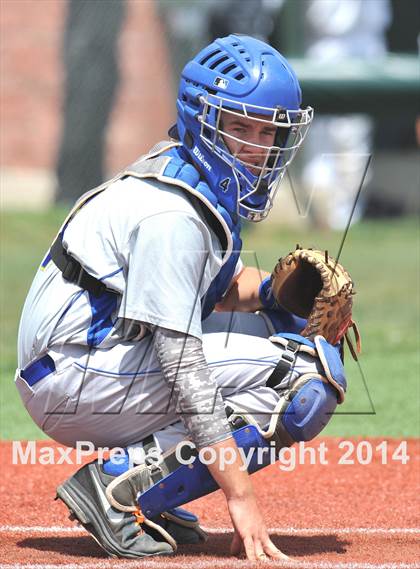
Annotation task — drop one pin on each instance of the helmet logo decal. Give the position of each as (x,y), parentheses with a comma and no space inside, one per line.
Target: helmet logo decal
(221,83)
(201,158)
(224,184)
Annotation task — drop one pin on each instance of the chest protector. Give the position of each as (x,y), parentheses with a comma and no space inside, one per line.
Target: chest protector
(164,163)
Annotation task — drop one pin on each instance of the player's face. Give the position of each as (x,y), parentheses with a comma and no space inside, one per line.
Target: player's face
(253,134)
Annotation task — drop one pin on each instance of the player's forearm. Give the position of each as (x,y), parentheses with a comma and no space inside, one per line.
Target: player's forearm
(195,392)
(243,295)
(184,367)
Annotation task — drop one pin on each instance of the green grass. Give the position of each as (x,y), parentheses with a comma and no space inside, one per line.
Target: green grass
(383,259)
(25,238)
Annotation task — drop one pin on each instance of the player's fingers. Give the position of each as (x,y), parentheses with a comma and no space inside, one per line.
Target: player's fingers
(272,551)
(259,551)
(249,548)
(236,545)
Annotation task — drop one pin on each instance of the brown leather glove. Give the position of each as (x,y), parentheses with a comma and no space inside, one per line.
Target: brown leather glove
(312,285)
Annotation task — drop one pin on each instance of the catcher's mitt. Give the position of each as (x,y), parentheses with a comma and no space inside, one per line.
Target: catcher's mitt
(312,285)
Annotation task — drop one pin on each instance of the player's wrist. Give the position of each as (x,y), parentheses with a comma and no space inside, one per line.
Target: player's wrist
(241,495)
(265,294)
(231,476)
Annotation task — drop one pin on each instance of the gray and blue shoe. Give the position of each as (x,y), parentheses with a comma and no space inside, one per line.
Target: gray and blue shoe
(124,534)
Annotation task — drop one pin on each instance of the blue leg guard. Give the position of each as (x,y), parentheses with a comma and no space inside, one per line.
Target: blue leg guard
(307,401)
(310,410)
(194,480)
(179,479)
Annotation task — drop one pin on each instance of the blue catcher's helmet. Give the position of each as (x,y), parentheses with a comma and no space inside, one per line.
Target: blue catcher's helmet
(240,121)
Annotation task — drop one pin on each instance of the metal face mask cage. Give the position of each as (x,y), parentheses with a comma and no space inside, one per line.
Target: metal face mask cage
(256,191)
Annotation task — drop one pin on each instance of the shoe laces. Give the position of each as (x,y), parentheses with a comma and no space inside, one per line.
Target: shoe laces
(138,514)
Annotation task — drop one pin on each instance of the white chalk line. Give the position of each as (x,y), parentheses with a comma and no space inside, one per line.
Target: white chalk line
(224,530)
(168,563)
(208,564)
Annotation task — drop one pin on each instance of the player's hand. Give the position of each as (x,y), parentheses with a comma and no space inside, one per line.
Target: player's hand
(251,534)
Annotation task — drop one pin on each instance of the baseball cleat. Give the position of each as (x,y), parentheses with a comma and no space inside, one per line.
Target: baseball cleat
(120,534)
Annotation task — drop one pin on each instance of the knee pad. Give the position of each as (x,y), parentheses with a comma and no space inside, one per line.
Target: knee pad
(312,404)
(307,401)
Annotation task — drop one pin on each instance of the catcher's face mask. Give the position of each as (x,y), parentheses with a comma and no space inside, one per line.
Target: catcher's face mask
(258,143)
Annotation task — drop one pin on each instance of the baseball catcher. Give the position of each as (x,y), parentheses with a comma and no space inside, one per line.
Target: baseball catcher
(144,330)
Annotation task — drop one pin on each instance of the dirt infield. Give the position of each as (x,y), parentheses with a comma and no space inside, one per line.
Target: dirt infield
(331,515)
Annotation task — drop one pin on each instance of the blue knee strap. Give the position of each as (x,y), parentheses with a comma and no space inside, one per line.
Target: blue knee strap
(189,482)
(329,357)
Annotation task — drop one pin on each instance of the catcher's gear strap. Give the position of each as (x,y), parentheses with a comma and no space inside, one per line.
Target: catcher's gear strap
(177,483)
(157,527)
(73,271)
(284,365)
(327,354)
(184,519)
(164,164)
(156,467)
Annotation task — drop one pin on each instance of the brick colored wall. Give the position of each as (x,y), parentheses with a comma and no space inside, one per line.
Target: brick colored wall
(31,84)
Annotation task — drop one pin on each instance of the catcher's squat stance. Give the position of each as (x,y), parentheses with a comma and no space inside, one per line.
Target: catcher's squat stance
(128,336)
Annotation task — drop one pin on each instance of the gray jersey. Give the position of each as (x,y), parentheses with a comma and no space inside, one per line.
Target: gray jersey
(144,240)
